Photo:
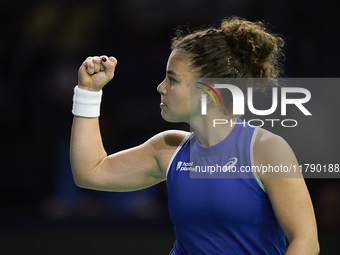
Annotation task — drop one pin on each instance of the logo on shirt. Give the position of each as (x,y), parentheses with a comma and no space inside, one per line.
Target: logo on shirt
(184,166)
(231,163)
(189,166)
(179,163)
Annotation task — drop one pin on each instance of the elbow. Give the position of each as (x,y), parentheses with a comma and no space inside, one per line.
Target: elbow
(317,247)
(303,246)
(314,245)
(80,182)
(86,183)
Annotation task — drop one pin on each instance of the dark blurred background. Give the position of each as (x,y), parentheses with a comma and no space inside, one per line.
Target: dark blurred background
(42,45)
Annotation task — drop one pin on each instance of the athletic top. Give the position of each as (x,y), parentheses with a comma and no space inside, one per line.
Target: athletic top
(218,210)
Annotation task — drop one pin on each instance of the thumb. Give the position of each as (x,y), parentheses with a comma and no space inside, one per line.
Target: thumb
(109,65)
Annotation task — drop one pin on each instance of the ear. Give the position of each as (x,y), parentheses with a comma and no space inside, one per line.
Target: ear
(209,96)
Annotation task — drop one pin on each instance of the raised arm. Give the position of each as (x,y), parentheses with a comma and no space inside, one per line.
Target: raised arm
(132,169)
(288,194)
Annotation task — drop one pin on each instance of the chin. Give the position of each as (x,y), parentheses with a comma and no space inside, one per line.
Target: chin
(171,119)
(168,119)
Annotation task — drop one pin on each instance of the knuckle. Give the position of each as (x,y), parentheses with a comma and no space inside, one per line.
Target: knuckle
(88,59)
(90,65)
(96,60)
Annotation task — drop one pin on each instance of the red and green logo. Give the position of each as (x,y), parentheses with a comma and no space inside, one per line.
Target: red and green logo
(213,90)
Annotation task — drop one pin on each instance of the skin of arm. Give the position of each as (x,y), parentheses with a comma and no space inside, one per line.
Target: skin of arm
(288,194)
(128,170)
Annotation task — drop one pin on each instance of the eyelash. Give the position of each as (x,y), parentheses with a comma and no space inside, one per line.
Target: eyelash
(171,80)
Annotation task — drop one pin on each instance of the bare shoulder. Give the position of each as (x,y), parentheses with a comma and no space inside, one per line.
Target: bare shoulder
(266,143)
(287,190)
(271,150)
(169,138)
(164,145)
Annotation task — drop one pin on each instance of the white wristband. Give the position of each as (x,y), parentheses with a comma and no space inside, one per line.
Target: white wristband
(86,103)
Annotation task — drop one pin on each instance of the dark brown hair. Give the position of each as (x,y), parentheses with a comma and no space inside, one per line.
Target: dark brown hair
(238,49)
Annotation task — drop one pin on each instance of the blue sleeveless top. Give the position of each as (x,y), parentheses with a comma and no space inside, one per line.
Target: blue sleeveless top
(218,210)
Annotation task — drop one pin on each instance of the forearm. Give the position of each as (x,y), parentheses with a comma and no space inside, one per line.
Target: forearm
(303,247)
(86,148)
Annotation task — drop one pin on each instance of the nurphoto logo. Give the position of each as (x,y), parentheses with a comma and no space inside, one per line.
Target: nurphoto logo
(239,103)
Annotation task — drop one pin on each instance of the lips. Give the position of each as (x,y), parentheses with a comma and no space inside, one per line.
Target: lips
(162,102)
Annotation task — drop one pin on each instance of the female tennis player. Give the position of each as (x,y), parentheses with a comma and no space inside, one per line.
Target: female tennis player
(252,215)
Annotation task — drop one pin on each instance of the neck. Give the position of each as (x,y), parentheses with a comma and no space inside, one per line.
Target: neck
(206,133)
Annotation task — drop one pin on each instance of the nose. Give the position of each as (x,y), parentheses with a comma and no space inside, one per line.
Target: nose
(161,88)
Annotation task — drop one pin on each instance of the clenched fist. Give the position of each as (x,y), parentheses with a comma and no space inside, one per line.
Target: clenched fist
(96,72)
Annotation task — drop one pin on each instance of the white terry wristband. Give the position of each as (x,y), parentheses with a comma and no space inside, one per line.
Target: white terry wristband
(86,103)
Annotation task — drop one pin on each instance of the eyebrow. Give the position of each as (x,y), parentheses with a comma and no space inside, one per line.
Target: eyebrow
(170,72)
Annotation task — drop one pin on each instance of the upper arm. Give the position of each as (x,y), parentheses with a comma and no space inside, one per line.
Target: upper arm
(287,192)
(135,168)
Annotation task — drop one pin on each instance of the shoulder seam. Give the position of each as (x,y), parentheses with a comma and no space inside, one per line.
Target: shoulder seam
(176,151)
(252,159)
